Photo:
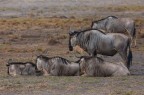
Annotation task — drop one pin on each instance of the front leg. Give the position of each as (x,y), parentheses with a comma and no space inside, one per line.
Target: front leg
(45,72)
(92,53)
(84,75)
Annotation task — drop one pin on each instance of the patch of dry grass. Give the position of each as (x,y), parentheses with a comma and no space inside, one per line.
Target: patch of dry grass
(28,23)
(21,48)
(9,9)
(142,35)
(139,22)
(72,85)
(64,36)
(53,42)
(125,8)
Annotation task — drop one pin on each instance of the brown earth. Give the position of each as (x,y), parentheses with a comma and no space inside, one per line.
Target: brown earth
(32,27)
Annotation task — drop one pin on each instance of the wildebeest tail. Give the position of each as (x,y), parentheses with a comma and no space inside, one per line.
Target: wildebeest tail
(130,56)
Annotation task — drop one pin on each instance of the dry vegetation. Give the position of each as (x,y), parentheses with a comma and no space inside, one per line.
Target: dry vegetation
(124,8)
(49,36)
(23,38)
(28,23)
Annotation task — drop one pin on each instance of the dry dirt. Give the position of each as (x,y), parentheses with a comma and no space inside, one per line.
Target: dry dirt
(32,27)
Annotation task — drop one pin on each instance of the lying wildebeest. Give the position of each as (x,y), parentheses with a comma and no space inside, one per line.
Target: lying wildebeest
(96,42)
(21,68)
(57,66)
(95,66)
(118,25)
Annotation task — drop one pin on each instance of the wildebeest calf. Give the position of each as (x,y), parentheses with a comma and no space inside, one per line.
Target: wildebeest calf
(21,68)
(57,66)
(93,66)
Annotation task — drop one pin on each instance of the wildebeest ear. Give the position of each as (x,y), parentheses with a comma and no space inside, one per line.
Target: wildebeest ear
(71,32)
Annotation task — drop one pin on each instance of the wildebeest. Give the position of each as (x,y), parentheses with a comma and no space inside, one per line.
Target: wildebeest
(95,66)
(21,68)
(95,42)
(57,66)
(118,25)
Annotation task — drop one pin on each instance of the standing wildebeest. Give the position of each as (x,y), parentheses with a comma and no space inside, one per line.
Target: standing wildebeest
(20,68)
(56,66)
(96,42)
(118,25)
(95,66)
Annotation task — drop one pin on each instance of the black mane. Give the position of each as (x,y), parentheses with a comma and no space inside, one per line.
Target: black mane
(48,58)
(89,29)
(45,58)
(89,57)
(103,19)
(20,63)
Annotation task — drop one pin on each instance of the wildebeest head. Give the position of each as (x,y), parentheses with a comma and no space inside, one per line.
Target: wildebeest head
(84,61)
(40,60)
(72,39)
(21,68)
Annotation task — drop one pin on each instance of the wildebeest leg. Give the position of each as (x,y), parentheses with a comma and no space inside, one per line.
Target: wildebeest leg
(121,72)
(93,53)
(84,75)
(117,73)
(13,73)
(45,72)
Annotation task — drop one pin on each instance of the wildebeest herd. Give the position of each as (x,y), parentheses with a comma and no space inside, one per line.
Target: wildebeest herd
(107,36)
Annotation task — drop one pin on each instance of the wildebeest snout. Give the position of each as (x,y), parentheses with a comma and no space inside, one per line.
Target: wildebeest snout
(70,48)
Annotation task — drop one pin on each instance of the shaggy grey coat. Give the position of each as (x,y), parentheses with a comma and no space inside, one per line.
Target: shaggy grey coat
(20,68)
(92,66)
(112,24)
(96,42)
(57,66)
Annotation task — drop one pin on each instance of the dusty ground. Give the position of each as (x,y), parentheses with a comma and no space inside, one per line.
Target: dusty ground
(32,27)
